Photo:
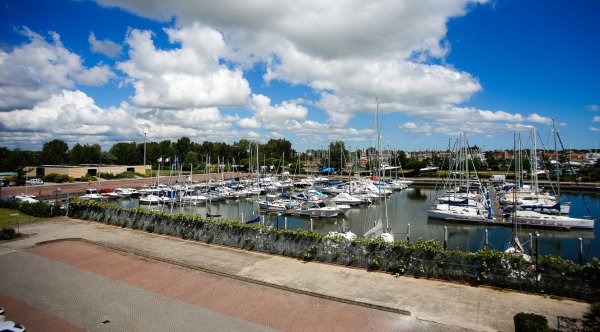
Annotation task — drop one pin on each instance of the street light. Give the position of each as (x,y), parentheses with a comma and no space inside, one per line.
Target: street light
(145,133)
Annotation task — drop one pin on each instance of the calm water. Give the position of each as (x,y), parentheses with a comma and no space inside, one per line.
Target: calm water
(409,206)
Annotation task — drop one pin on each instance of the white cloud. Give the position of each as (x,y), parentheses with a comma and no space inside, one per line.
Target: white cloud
(267,114)
(592,107)
(34,71)
(536,118)
(350,53)
(596,119)
(248,123)
(74,117)
(106,46)
(186,77)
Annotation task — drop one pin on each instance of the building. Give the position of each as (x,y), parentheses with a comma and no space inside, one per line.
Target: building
(81,170)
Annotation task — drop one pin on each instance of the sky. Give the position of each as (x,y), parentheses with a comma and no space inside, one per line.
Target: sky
(309,71)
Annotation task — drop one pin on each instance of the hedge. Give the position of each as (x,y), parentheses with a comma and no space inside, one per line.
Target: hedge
(552,275)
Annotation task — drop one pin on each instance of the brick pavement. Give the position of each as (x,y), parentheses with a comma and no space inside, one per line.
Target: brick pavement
(447,304)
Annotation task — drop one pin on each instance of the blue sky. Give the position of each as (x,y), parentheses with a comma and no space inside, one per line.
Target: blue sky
(307,71)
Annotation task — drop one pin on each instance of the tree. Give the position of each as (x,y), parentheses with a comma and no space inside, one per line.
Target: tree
(125,153)
(54,152)
(191,158)
(337,151)
(86,154)
(183,146)
(277,148)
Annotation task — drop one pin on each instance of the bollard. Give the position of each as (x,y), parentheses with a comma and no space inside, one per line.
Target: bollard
(343,225)
(487,242)
(262,218)
(537,247)
(242,216)
(285,222)
(445,237)
(311,225)
(530,244)
(580,251)
(408,233)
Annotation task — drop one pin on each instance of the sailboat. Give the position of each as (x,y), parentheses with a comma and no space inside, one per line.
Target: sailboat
(462,200)
(537,219)
(377,230)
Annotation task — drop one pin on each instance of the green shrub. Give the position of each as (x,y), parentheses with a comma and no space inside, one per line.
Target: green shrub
(150,228)
(58,178)
(86,177)
(124,175)
(8,233)
(528,322)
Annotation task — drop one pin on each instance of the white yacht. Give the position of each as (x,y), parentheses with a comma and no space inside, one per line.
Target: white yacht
(317,209)
(91,195)
(346,199)
(532,218)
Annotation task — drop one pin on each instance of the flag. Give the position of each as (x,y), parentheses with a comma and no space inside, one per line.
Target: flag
(159,159)
(176,160)
(166,160)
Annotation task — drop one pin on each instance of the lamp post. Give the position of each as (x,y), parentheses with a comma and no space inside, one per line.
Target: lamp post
(145,133)
(57,191)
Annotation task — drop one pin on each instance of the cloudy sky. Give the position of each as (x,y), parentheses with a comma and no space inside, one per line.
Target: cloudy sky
(306,70)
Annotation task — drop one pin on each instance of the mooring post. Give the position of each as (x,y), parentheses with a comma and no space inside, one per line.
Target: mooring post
(487,242)
(445,237)
(580,251)
(537,247)
(285,222)
(311,225)
(530,244)
(408,233)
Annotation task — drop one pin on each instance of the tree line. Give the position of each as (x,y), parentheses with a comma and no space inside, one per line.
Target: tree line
(196,155)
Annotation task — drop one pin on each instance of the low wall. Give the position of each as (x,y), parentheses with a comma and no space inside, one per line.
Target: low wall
(551,275)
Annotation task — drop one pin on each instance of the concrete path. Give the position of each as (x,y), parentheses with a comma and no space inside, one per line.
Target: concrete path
(441,305)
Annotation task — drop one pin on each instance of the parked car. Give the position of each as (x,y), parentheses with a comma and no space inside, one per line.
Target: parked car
(11,326)
(33,182)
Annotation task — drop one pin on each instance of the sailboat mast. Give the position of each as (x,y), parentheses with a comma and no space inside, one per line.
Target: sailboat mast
(557,163)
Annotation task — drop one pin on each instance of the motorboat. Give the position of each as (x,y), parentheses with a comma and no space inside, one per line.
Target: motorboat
(124,192)
(317,209)
(346,199)
(91,194)
(26,198)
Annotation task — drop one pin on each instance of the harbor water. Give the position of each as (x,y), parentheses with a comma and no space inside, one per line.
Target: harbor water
(409,206)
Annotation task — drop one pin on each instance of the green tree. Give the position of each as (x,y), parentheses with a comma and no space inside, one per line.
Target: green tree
(183,146)
(337,152)
(54,152)
(125,153)
(191,159)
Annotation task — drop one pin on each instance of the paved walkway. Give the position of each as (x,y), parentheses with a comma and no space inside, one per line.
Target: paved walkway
(432,304)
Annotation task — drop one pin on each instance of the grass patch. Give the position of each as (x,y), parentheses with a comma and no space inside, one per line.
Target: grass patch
(6,218)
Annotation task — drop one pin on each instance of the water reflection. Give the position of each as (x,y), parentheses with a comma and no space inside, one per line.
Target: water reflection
(409,206)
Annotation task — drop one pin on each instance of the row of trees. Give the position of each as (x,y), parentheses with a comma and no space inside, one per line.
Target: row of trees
(191,154)
(57,152)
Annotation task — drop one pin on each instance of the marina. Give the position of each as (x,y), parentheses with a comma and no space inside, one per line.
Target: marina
(408,219)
